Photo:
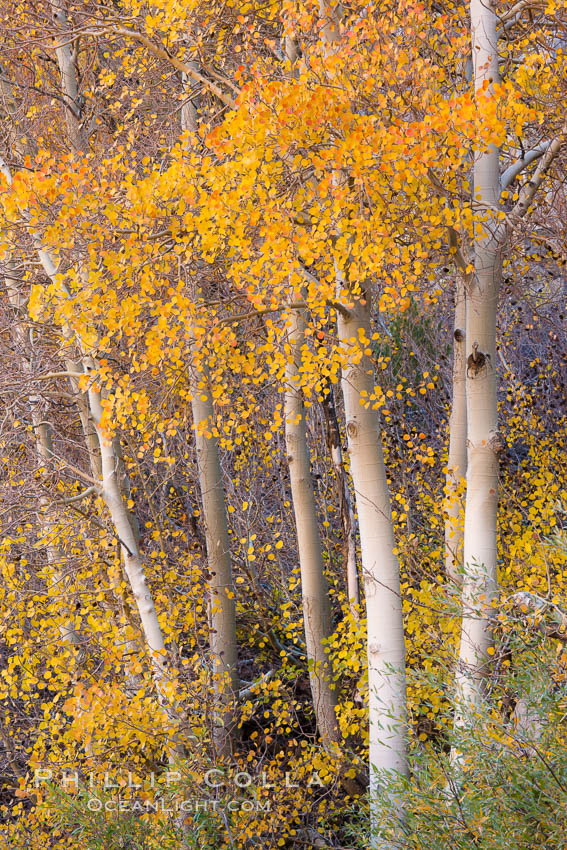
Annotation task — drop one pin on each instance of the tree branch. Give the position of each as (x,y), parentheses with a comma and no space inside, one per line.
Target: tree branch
(254,686)
(77,498)
(519,7)
(517,167)
(457,253)
(187,69)
(48,376)
(528,191)
(294,305)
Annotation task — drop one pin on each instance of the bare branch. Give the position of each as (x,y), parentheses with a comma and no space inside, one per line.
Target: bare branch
(49,376)
(77,498)
(528,192)
(187,69)
(254,687)
(519,7)
(517,167)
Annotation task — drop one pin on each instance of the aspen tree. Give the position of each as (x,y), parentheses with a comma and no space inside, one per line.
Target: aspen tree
(67,62)
(113,498)
(314,589)
(88,406)
(484,442)
(41,427)
(44,445)
(387,700)
(65,54)
(380,568)
(222,610)
(480,580)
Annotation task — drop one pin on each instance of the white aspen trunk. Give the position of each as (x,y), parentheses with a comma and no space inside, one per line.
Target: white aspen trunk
(222,609)
(135,572)
(387,701)
(457,460)
(314,589)
(110,464)
(160,656)
(130,552)
(330,14)
(346,508)
(67,63)
(189,113)
(125,488)
(480,553)
(68,69)
(386,647)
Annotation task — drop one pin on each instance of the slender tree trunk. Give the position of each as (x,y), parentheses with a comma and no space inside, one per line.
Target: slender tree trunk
(387,702)
(130,552)
(386,648)
(314,589)
(457,461)
(222,609)
(105,458)
(134,567)
(118,511)
(480,552)
(89,430)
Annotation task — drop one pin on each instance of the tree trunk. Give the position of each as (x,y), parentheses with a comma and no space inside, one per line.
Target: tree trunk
(386,648)
(131,555)
(118,511)
(87,424)
(457,461)
(222,609)
(387,704)
(314,589)
(480,570)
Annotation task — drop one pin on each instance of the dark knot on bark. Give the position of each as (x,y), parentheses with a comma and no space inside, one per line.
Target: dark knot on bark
(476,361)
